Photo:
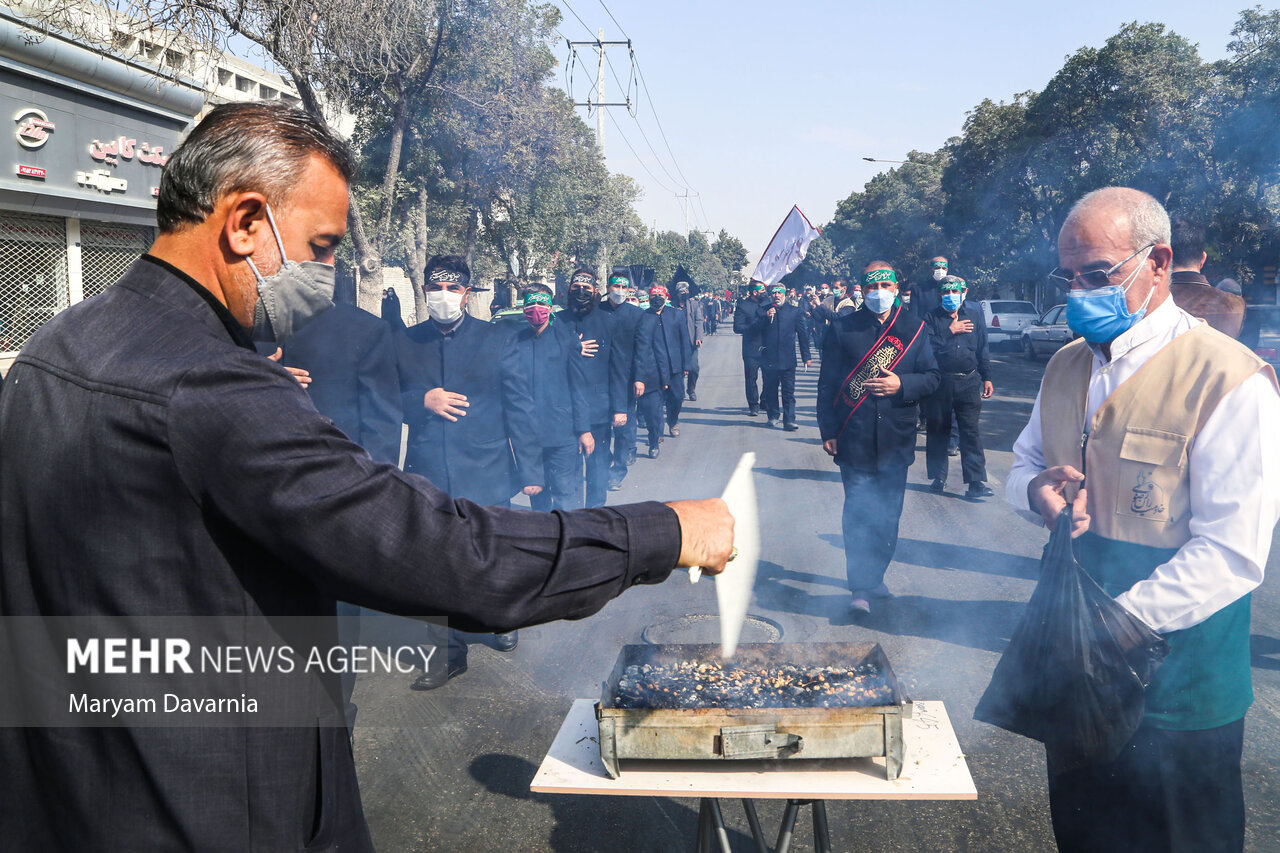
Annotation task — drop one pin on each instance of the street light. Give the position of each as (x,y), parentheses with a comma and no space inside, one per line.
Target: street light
(876,160)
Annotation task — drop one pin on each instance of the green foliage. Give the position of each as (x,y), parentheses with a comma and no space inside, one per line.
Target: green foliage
(1143,110)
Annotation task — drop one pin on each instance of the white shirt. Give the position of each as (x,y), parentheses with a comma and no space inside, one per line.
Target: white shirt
(1235,483)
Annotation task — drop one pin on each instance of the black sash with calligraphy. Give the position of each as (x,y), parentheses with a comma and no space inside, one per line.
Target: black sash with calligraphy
(884,354)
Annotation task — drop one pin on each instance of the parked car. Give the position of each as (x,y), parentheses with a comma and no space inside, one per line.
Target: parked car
(1006,319)
(1262,331)
(1048,334)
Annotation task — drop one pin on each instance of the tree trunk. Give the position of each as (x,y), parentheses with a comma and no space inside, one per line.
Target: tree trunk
(418,259)
(369,291)
(399,122)
(473,232)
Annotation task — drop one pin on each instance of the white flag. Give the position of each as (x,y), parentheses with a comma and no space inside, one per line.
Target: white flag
(787,248)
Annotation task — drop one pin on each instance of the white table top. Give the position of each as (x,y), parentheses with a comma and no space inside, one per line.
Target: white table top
(933,768)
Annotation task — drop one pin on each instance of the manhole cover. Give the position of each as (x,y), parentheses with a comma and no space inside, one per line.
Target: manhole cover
(705,628)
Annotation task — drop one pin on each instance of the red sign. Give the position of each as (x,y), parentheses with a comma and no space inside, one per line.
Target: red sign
(155,192)
(31,172)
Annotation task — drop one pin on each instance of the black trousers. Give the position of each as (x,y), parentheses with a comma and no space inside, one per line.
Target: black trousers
(673,397)
(783,381)
(651,406)
(562,475)
(598,465)
(960,398)
(624,440)
(691,381)
(872,506)
(1168,792)
(751,375)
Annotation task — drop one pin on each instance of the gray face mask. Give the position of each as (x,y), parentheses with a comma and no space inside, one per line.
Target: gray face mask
(291,297)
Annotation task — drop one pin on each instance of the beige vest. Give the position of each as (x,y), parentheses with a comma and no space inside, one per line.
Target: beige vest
(1136,469)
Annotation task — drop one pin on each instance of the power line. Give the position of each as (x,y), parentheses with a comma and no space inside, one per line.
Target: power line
(579,17)
(654,110)
(615,21)
(639,160)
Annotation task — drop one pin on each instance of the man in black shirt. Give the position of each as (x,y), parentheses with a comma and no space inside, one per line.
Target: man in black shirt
(781,326)
(959,340)
(745,315)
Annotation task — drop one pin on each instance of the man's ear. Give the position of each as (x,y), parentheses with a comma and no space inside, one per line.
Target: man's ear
(1162,258)
(246,222)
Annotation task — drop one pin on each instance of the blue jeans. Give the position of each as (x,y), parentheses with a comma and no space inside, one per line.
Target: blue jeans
(872,506)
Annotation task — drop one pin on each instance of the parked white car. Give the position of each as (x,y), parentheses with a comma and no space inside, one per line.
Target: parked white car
(1006,318)
(1048,334)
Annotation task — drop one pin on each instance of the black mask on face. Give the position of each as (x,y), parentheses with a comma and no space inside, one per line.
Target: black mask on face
(582,300)
(657,301)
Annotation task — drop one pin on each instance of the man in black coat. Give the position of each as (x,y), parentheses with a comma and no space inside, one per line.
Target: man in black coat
(876,366)
(468,412)
(745,315)
(781,327)
(351,362)
(177,473)
(465,419)
(633,341)
(351,359)
(605,370)
(547,355)
(693,316)
(673,351)
(924,293)
(958,338)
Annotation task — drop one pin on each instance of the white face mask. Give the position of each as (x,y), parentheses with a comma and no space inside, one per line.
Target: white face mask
(940,273)
(617,297)
(444,307)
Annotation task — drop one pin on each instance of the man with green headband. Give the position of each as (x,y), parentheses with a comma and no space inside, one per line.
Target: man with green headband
(876,366)
(924,293)
(959,340)
(781,327)
(745,316)
(633,339)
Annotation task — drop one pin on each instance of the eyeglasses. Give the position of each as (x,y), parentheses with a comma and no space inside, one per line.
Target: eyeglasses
(1092,279)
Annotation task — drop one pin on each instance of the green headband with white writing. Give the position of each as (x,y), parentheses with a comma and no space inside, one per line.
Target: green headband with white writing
(537,298)
(877,276)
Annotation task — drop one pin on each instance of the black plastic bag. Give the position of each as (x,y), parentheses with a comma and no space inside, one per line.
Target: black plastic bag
(1077,666)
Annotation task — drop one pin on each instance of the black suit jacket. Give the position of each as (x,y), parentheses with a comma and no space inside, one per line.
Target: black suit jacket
(551,366)
(881,432)
(745,315)
(779,336)
(605,374)
(176,472)
(352,362)
(633,333)
(671,345)
(472,457)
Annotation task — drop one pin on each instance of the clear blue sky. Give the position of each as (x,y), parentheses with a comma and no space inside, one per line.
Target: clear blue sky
(766,105)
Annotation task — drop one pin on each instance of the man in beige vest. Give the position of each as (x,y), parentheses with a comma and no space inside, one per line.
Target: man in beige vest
(1168,424)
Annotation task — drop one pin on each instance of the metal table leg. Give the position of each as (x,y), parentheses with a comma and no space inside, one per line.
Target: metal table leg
(717,820)
(787,829)
(821,833)
(754,820)
(703,823)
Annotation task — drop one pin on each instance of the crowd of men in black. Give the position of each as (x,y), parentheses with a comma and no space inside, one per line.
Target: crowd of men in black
(550,407)
(893,363)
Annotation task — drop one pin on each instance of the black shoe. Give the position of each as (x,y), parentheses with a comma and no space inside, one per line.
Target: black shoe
(693,397)
(615,485)
(675,430)
(506,642)
(953,451)
(938,486)
(773,422)
(438,676)
(751,413)
(921,426)
(631,459)
(978,490)
(653,452)
(790,427)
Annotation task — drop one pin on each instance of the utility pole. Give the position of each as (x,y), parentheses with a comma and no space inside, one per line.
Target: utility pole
(600,44)
(686,197)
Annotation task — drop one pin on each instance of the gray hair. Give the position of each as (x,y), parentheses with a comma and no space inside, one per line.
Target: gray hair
(242,147)
(1148,221)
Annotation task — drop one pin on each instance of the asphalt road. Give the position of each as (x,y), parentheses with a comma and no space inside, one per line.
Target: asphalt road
(450,770)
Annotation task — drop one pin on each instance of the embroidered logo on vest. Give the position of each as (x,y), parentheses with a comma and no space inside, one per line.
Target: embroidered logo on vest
(1148,497)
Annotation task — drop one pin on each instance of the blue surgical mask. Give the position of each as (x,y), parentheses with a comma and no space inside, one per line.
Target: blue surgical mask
(1101,315)
(879,300)
(952,301)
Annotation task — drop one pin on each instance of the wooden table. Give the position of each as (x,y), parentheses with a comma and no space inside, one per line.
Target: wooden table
(933,768)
